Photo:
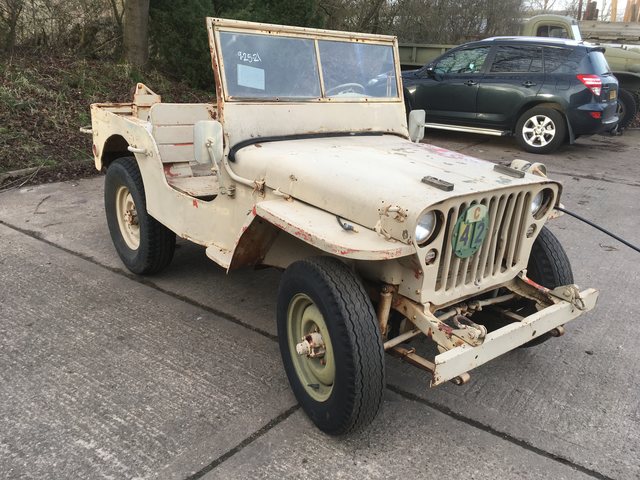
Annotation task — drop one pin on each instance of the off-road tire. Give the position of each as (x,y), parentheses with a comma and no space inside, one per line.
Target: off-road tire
(157,242)
(548,266)
(359,381)
(627,107)
(559,123)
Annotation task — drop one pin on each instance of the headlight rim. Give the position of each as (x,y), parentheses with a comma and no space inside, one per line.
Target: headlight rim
(546,203)
(434,230)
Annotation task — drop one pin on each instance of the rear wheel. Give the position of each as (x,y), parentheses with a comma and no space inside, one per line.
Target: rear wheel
(627,107)
(143,244)
(330,344)
(541,130)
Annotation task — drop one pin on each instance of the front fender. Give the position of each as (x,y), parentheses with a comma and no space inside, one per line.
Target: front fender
(322,230)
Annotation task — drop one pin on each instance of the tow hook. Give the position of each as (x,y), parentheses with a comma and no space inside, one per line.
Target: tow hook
(312,346)
(473,331)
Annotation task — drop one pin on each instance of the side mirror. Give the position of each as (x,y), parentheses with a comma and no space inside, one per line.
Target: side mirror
(208,142)
(417,119)
(431,71)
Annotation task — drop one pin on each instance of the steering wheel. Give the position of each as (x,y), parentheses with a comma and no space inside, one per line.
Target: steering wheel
(345,88)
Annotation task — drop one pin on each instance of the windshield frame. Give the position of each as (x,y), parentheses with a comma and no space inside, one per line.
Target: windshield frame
(216,25)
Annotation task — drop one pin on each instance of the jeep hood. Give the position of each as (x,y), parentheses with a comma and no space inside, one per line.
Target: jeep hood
(357,177)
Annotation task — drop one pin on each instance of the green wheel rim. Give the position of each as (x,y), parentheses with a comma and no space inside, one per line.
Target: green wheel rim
(316,375)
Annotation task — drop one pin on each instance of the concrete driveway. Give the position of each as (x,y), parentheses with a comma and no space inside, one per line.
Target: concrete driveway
(104,374)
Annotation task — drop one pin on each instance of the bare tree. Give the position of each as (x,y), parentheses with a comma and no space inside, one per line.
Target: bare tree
(136,32)
(10,11)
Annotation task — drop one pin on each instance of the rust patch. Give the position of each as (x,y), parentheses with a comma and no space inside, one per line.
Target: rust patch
(306,236)
(167,170)
(195,203)
(216,75)
(345,251)
(446,329)
(254,243)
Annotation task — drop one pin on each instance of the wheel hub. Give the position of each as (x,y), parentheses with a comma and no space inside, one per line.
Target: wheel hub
(310,347)
(127,216)
(131,216)
(539,130)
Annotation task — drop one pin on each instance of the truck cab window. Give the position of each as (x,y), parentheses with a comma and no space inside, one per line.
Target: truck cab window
(554,31)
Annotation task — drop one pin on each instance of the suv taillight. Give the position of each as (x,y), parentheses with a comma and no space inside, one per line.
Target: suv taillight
(592,82)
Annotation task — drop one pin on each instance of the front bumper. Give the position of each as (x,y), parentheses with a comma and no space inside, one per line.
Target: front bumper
(457,361)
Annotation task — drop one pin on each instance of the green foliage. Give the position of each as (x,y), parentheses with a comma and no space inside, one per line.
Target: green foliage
(178,33)
(44,103)
(179,43)
(303,13)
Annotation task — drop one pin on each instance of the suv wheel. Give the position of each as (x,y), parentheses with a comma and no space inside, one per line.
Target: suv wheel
(541,130)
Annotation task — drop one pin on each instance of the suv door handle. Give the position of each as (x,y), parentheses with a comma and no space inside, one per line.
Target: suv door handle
(528,83)
(470,83)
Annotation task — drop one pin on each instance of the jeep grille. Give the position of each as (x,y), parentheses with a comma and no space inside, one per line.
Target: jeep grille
(501,249)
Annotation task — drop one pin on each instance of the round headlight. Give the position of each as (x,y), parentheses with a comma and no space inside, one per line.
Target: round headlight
(537,203)
(425,227)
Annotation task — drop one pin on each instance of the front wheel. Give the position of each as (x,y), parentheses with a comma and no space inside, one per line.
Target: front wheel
(548,266)
(541,130)
(330,344)
(143,244)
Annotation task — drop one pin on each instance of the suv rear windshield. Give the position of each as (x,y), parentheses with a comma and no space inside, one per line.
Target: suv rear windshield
(600,65)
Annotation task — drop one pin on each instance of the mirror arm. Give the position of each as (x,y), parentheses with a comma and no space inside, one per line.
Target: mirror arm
(256,184)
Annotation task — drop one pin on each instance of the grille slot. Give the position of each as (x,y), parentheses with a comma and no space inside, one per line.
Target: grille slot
(500,250)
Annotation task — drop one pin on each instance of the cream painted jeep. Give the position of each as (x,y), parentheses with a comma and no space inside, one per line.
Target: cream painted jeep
(306,163)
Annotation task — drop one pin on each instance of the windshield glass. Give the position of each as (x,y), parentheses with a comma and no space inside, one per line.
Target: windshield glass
(279,68)
(261,66)
(357,69)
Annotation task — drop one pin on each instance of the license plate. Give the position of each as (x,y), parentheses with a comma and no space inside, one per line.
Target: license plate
(613,94)
(470,231)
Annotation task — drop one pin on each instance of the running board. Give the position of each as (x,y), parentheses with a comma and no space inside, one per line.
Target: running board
(459,128)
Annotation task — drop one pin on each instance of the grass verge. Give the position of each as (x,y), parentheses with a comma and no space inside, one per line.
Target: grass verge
(45,100)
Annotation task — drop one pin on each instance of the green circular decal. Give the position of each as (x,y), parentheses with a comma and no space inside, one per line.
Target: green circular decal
(470,231)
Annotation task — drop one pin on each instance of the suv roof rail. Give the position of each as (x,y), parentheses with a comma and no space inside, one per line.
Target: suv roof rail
(549,40)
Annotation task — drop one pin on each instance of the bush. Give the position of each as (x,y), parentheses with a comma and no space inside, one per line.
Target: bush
(179,43)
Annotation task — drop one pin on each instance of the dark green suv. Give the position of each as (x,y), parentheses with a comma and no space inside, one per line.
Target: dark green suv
(544,91)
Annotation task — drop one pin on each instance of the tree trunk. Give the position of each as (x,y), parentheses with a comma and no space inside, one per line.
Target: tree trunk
(136,32)
(10,15)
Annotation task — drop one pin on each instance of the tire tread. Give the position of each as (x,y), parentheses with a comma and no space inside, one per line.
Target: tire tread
(361,339)
(159,242)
